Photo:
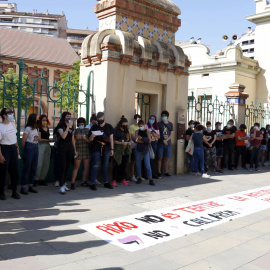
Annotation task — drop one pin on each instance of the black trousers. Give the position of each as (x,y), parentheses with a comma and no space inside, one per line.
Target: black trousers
(240,151)
(66,158)
(254,156)
(228,151)
(120,171)
(11,166)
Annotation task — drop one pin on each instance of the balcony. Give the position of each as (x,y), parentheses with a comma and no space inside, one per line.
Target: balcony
(50,25)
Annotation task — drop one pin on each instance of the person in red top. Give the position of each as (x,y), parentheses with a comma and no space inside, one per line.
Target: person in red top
(255,143)
(240,137)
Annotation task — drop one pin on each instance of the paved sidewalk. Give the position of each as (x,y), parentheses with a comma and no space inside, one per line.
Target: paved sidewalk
(41,231)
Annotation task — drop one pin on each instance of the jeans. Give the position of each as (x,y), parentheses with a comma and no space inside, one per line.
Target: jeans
(191,161)
(44,158)
(240,151)
(120,171)
(11,165)
(146,159)
(228,150)
(66,157)
(198,155)
(254,157)
(30,163)
(152,161)
(98,160)
(210,153)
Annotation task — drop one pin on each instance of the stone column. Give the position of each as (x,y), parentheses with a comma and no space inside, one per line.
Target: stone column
(238,98)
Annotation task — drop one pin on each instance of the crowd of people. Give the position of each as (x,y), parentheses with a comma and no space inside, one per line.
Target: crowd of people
(223,146)
(141,146)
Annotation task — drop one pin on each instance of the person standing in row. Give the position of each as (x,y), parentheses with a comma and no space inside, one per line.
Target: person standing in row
(164,143)
(264,146)
(255,143)
(219,144)
(241,149)
(44,150)
(152,127)
(30,154)
(189,133)
(228,144)
(93,121)
(65,148)
(132,129)
(101,137)
(9,153)
(82,152)
(122,152)
(143,139)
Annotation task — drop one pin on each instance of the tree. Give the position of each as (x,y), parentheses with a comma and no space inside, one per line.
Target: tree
(9,86)
(69,88)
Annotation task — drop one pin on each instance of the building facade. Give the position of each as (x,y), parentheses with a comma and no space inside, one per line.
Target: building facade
(247,43)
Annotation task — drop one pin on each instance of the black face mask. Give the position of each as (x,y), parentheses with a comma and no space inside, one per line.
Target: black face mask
(100,122)
(242,129)
(124,127)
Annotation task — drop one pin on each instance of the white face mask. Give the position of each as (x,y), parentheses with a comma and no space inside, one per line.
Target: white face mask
(262,132)
(256,127)
(228,125)
(192,126)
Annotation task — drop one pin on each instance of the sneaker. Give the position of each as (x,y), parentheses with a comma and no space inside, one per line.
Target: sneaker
(124,182)
(97,182)
(24,191)
(220,172)
(93,187)
(143,179)
(3,197)
(62,190)
(151,183)
(251,170)
(56,184)
(159,176)
(43,183)
(167,175)
(15,196)
(155,176)
(205,175)
(35,183)
(108,185)
(114,183)
(139,181)
(66,184)
(66,188)
(72,186)
(84,184)
(257,170)
(197,174)
(32,190)
(133,178)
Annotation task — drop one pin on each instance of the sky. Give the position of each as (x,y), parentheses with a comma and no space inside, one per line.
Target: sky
(205,19)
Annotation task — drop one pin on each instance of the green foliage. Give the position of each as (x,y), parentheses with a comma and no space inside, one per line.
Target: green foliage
(9,91)
(69,87)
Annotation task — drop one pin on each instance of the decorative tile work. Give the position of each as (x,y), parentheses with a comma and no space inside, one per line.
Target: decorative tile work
(136,59)
(137,28)
(111,54)
(170,67)
(154,63)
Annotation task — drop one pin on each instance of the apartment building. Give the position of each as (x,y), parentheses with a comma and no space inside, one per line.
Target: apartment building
(247,43)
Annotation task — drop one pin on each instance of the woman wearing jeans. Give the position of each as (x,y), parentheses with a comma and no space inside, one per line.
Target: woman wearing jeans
(198,138)
(143,139)
(30,154)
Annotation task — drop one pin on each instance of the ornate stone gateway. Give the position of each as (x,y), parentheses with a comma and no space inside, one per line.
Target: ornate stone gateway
(134,53)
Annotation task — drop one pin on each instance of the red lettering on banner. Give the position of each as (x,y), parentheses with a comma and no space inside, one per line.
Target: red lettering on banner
(199,207)
(116,227)
(171,216)
(238,198)
(266,199)
(258,194)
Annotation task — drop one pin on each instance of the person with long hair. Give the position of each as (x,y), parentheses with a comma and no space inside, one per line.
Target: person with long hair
(30,154)
(82,152)
(9,153)
(44,150)
(264,146)
(143,139)
(65,148)
(122,152)
(153,128)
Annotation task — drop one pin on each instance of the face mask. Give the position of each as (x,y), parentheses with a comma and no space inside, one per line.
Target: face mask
(81,127)
(256,127)
(262,132)
(192,126)
(44,123)
(228,126)
(124,127)
(219,127)
(164,118)
(141,128)
(100,122)
(208,128)
(242,129)
(10,117)
(151,121)
(68,120)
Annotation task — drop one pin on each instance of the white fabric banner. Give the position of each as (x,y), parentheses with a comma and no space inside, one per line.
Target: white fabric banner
(146,229)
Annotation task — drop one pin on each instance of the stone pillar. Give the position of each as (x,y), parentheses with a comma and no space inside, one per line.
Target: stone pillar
(238,98)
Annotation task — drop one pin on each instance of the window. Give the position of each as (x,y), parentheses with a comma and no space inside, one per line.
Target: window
(251,51)
(245,51)
(23,20)
(57,78)
(205,75)
(15,20)
(252,41)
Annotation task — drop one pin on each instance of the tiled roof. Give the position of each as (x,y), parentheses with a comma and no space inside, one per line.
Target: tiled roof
(36,47)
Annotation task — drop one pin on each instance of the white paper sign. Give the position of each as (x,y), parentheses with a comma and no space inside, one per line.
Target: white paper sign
(97,133)
(146,229)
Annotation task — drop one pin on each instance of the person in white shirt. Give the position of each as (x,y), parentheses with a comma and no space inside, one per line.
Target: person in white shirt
(9,153)
(30,154)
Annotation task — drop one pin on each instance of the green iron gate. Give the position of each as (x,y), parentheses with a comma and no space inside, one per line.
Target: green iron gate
(209,110)
(143,106)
